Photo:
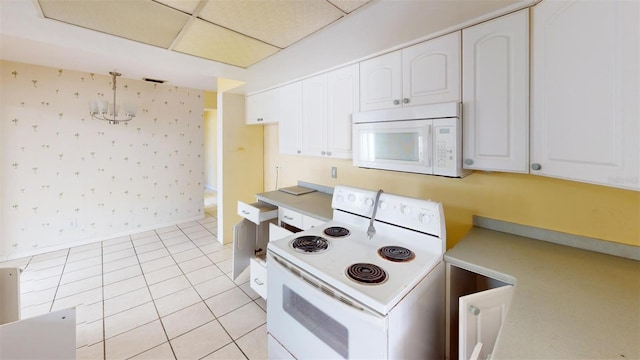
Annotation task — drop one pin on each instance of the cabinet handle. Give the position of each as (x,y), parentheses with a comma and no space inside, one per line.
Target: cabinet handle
(536,166)
(406,100)
(287,217)
(396,102)
(474,310)
(328,153)
(245,212)
(468,161)
(260,283)
(299,151)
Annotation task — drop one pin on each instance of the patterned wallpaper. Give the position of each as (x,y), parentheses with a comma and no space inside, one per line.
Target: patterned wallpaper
(68,179)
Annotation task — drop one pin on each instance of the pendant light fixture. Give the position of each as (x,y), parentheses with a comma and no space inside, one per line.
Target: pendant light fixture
(103,110)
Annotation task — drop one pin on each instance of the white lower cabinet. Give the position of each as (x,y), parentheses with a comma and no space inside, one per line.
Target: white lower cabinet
(258,270)
(251,235)
(481,316)
(297,220)
(258,267)
(476,307)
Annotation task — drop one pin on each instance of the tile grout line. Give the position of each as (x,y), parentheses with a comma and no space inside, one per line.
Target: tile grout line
(215,318)
(104,325)
(59,280)
(153,301)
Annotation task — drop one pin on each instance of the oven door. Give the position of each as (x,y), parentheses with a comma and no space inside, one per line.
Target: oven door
(394,145)
(312,324)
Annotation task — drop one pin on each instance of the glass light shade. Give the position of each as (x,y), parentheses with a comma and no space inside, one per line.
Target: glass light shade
(103,105)
(93,107)
(130,109)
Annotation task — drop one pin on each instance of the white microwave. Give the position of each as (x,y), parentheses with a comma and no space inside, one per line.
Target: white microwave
(424,139)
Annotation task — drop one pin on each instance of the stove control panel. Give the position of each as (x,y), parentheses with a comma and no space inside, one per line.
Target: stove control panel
(417,214)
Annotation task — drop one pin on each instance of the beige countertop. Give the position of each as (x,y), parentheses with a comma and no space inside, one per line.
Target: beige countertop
(568,303)
(316,204)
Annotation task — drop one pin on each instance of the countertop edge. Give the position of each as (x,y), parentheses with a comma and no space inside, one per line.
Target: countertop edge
(316,204)
(560,238)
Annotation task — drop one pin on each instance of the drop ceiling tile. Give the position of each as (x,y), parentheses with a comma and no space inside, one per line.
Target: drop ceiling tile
(145,21)
(188,6)
(216,43)
(279,23)
(348,5)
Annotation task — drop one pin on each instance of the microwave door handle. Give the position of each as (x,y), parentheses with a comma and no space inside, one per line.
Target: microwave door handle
(430,146)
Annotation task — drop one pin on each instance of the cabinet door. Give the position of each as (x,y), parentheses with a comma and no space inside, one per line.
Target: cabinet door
(48,336)
(481,315)
(314,115)
(343,100)
(244,246)
(431,71)
(289,126)
(585,93)
(495,94)
(9,295)
(262,108)
(381,82)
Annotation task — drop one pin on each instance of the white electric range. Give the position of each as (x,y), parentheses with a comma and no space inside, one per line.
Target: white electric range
(336,292)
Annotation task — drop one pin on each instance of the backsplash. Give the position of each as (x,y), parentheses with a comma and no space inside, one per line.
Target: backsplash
(67,179)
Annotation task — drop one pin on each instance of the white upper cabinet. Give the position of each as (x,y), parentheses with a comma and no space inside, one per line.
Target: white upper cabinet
(314,115)
(495,94)
(585,117)
(343,100)
(424,73)
(262,108)
(381,82)
(328,100)
(431,71)
(290,119)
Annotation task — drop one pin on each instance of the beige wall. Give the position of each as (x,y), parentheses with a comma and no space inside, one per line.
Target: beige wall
(571,207)
(210,148)
(240,162)
(67,179)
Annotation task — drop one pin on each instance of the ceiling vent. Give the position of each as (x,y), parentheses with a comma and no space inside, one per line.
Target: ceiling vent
(155,81)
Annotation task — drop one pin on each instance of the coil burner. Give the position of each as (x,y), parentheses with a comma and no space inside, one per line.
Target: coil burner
(310,244)
(336,231)
(396,253)
(366,273)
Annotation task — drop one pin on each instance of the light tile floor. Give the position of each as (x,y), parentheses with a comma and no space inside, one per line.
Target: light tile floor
(161,294)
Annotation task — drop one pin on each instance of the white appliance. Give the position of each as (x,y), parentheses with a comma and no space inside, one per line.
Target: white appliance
(336,293)
(424,139)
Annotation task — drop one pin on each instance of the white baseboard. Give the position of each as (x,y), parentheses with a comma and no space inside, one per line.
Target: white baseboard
(100,238)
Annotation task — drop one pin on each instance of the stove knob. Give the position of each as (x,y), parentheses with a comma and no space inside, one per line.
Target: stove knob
(369,202)
(383,205)
(339,198)
(424,218)
(405,209)
(352,197)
